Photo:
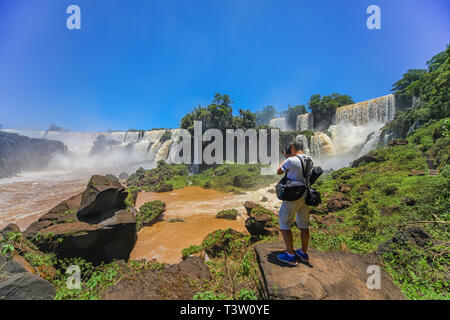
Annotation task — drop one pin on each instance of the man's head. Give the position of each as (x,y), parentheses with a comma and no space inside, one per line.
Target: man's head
(296,146)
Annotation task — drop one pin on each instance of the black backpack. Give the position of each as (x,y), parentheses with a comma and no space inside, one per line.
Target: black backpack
(312,174)
(290,190)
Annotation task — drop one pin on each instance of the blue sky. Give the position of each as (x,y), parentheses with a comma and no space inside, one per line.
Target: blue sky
(144,64)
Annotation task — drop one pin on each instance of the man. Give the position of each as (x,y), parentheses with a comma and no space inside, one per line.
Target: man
(292,167)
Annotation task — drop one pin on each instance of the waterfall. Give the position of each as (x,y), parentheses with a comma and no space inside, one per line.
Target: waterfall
(304,122)
(279,123)
(381,109)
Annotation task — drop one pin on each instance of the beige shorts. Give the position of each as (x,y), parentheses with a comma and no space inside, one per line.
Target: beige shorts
(291,209)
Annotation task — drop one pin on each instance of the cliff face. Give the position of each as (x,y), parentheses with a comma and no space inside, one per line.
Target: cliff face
(19,153)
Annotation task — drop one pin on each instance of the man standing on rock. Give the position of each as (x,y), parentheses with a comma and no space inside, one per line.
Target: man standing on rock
(292,167)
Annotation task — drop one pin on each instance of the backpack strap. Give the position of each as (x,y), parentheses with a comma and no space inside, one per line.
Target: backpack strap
(303,170)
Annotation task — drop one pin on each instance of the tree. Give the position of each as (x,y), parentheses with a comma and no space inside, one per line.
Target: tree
(245,120)
(324,108)
(265,115)
(219,115)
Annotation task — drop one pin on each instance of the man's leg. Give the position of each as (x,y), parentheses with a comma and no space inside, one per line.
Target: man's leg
(305,239)
(285,216)
(288,240)
(303,224)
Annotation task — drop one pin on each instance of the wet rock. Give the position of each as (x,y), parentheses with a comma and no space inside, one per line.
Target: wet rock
(93,225)
(337,275)
(101,198)
(16,283)
(10,228)
(260,221)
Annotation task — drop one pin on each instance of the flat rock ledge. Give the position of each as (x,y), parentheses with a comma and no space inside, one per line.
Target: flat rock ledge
(336,275)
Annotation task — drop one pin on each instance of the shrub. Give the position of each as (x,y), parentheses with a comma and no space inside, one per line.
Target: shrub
(228,214)
(149,212)
(191,250)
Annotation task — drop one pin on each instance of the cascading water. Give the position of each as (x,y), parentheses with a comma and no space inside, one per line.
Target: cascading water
(279,123)
(304,122)
(380,109)
(355,131)
(122,151)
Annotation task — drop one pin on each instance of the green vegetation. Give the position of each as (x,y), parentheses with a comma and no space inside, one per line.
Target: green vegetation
(324,108)
(161,179)
(229,214)
(186,252)
(219,115)
(167,135)
(385,198)
(149,212)
(430,88)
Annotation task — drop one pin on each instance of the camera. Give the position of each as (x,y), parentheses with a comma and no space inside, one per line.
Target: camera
(287,150)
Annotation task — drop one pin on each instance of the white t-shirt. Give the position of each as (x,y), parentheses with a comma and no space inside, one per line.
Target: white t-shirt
(293,167)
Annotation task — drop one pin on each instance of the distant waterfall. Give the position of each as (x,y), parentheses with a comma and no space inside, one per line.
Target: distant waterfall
(122,151)
(380,109)
(304,122)
(279,123)
(355,131)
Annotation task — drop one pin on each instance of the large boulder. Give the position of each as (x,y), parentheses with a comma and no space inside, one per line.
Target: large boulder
(157,283)
(260,221)
(17,283)
(102,197)
(336,275)
(94,225)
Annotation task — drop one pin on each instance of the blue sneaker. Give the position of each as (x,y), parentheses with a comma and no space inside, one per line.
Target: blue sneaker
(284,257)
(302,256)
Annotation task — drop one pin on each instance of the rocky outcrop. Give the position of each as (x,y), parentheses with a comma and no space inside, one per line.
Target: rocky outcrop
(217,243)
(395,143)
(368,158)
(336,275)
(414,235)
(169,282)
(260,221)
(94,225)
(17,283)
(228,214)
(18,153)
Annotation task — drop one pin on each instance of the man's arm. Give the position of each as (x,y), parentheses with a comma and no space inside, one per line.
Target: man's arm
(280,170)
(283,166)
